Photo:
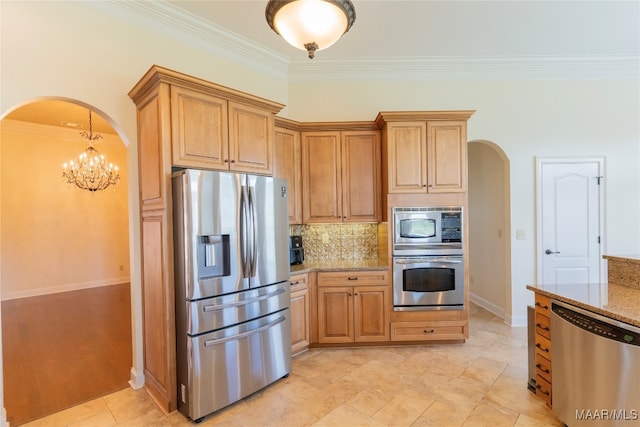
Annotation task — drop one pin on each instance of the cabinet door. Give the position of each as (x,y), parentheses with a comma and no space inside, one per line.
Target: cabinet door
(335,315)
(199,129)
(287,165)
(251,134)
(407,157)
(299,314)
(321,182)
(447,154)
(371,314)
(361,176)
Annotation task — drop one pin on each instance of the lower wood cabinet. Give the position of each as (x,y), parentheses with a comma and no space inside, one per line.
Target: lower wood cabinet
(353,307)
(543,347)
(299,313)
(428,330)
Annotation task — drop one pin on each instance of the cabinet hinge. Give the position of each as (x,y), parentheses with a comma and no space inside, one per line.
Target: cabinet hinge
(598,239)
(599,178)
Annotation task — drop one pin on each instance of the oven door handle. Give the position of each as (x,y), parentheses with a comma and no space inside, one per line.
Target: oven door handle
(406,261)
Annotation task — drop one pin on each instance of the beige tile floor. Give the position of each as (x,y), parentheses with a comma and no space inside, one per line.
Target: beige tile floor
(479,383)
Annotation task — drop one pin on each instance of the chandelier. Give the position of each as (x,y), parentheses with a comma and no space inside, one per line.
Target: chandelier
(90,170)
(310,25)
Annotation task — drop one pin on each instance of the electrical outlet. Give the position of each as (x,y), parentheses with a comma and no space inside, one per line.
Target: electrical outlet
(521,235)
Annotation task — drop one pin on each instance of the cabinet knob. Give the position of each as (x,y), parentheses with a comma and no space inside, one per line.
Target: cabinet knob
(544,328)
(233,161)
(226,160)
(352,278)
(539,366)
(539,387)
(546,350)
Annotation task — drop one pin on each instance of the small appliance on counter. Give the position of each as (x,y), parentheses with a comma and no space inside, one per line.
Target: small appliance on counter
(296,251)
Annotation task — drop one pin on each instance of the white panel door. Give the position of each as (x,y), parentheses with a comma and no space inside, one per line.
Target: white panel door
(569,221)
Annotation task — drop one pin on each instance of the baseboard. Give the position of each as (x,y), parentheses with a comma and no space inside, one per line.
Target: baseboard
(488,305)
(3,418)
(518,321)
(137,379)
(64,288)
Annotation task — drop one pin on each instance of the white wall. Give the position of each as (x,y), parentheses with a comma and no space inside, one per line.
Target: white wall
(488,244)
(49,225)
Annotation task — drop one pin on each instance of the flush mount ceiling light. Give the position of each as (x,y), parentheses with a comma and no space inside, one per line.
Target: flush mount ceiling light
(90,171)
(310,25)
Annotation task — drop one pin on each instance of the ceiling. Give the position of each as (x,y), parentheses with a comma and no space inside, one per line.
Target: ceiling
(422,31)
(428,28)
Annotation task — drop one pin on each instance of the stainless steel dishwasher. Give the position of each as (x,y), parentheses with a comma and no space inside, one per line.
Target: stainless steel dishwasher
(596,368)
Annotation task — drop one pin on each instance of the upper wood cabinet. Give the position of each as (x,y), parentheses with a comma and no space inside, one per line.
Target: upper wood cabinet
(427,154)
(287,164)
(341,176)
(407,157)
(446,156)
(200,136)
(251,135)
(211,132)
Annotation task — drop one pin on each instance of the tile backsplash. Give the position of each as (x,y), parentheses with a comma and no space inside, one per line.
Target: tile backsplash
(323,242)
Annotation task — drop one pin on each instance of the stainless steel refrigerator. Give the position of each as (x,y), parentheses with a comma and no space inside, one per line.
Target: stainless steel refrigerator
(233,328)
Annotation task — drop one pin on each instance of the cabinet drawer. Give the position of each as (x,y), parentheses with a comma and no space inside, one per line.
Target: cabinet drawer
(543,389)
(543,367)
(543,305)
(543,325)
(299,282)
(355,278)
(428,331)
(543,346)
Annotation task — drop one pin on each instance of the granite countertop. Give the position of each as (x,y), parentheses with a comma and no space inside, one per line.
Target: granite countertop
(339,265)
(618,302)
(632,258)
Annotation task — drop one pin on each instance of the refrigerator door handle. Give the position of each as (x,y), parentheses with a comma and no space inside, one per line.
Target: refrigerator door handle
(217,307)
(254,243)
(209,343)
(244,231)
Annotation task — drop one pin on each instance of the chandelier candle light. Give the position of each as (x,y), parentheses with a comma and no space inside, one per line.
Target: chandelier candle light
(310,25)
(90,170)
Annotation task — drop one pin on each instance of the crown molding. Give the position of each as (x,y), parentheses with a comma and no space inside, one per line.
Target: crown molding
(236,48)
(168,19)
(468,68)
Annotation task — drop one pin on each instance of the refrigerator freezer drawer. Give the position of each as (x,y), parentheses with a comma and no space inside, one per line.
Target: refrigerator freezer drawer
(216,313)
(232,363)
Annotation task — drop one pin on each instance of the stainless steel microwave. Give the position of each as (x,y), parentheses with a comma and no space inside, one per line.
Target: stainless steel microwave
(427,230)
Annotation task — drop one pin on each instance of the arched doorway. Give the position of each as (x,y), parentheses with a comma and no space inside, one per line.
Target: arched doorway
(63,248)
(489,228)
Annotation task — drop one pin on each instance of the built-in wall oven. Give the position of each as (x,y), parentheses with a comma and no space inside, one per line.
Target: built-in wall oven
(428,258)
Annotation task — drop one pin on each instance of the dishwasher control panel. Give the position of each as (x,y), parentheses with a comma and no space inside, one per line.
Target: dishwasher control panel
(596,326)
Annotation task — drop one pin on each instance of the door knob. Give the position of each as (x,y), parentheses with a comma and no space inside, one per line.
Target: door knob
(549,252)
